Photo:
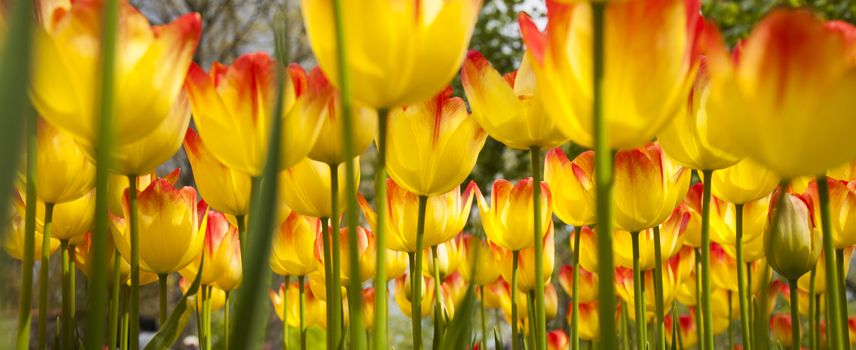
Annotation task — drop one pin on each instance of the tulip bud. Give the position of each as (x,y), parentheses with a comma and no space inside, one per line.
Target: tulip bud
(792,244)
(588,286)
(589,319)
(526,277)
(780,327)
(305,187)
(366,250)
(573,187)
(478,265)
(508,219)
(222,253)
(557,340)
(63,172)
(224,189)
(292,250)
(449,256)
(404,296)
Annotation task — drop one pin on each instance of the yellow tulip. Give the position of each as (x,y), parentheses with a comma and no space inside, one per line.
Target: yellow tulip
(588,248)
(366,249)
(83,257)
(292,250)
(646,48)
(743,182)
(526,276)
(455,288)
(846,172)
(305,187)
(13,242)
(318,284)
(551,304)
(792,244)
(313,307)
(432,145)
(71,219)
(589,319)
(573,186)
(217,296)
(151,64)
(396,264)
(222,254)
(367,302)
(723,222)
(118,184)
(624,287)
(398,52)
(509,215)
(648,186)
(449,256)
(688,331)
(445,216)
(171,227)
(786,101)
(223,188)
(724,270)
(63,172)
(493,293)
(236,103)
(671,240)
(478,265)
(403,295)
(842,199)
(588,286)
(820,274)
(329,147)
(508,107)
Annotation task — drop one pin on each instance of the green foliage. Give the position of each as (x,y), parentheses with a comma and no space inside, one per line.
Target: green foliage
(177,321)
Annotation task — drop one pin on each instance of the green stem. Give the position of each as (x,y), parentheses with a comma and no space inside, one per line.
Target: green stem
(812,309)
(285,313)
(123,343)
(203,345)
(676,331)
(749,296)
(639,301)
(416,275)
(438,301)
(625,327)
(380,325)
(66,296)
(817,322)
(113,321)
(698,307)
(162,279)
(795,314)
(483,317)
(833,300)
(242,232)
(575,308)
(208,317)
(226,328)
(705,261)
(515,339)
(328,283)
(530,309)
(604,164)
(730,328)
(43,277)
(842,278)
(742,299)
(72,302)
(26,296)
(300,285)
(335,253)
(537,163)
(134,225)
(658,291)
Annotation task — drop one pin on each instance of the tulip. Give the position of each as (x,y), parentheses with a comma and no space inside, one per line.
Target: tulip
(404,296)
(573,186)
(13,242)
(224,189)
(842,197)
(150,70)
(508,107)
(743,182)
(236,103)
(222,254)
(117,185)
(313,310)
(83,257)
(588,283)
(445,216)
(292,251)
(71,220)
(524,317)
(781,326)
(455,287)
(671,239)
(557,340)
(526,277)
(306,187)
(589,316)
(217,298)
(367,301)
(846,172)
(588,248)
(64,173)
(423,46)
(366,248)
(820,284)
(687,327)
(478,265)
(724,272)
(493,293)
(396,264)
(449,256)
(626,289)
(510,213)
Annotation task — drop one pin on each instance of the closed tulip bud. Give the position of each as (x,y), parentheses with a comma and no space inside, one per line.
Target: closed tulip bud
(573,186)
(743,182)
(83,257)
(449,256)
(367,302)
(589,320)
(445,216)
(561,59)
(151,66)
(366,249)
(305,187)
(396,264)
(509,214)
(222,254)
(766,97)
(292,250)
(557,340)
(216,296)
(456,288)
(63,172)
(792,243)
(820,274)
(71,220)
(493,293)
(224,189)
(314,314)
(236,103)
(117,184)
(671,240)
(588,248)
(780,327)
(172,227)
(648,186)
(478,265)
(13,242)
(588,286)
(508,107)
(432,145)
(423,45)
(329,147)
(526,263)
(403,295)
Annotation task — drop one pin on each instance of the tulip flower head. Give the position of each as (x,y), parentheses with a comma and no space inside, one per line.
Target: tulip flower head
(151,65)
(508,217)
(396,264)
(820,274)
(305,187)
(222,254)
(63,171)
(671,240)
(557,340)
(236,103)
(846,172)
(589,319)
(398,53)
(367,302)
(478,265)
(842,204)
(743,182)
(13,241)
(313,307)
(780,328)
(573,186)
(71,220)
(403,295)
(493,293)
(526,277)
(366,249)
(449,256)
(224,189)
(292,251)
(724,270)
(216,296)
(588,286)
(588,248)
(433,145)
(117,184)
(723,222)
(508,107)
(83,257)
(792,243)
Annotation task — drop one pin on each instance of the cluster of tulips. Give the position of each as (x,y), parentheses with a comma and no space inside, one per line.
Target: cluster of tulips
(709,169)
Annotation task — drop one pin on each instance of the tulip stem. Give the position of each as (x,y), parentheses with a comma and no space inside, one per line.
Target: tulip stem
(639,301)
(242,232)
(300,285)
(43,276)
(842,278)
(575,308)
(625,327)
(676,331)
(335,253)
(113,316)
(380,325)
(66,295)
(698,308)
(741,282)
(162,280)
(285,312)
(203,329)
(535,157)
(658,291)
(530,308)
(226,328)
(730,318)
(328,283)
(817,334)
(604,164)
(72,302)
(26,296)
(833,300)
(208,316)
(123,342)
(483,317)
(515,341)
(705,261)
(438,301)
(812,308)
(416,275)
(795,313)
(133,224)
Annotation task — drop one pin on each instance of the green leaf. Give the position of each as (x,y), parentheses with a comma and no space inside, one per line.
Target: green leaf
(458,332)
(174,326)
(497,339)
